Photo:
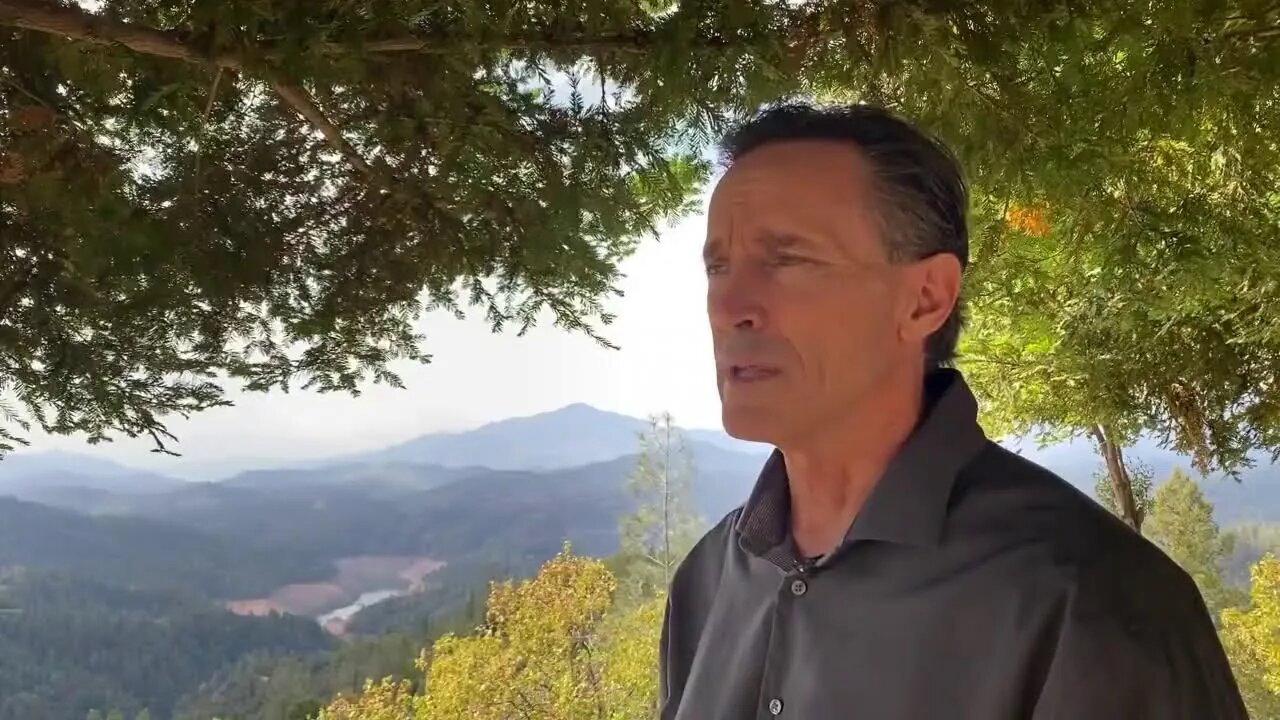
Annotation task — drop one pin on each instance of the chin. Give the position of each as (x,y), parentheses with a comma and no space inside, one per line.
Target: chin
(750,424)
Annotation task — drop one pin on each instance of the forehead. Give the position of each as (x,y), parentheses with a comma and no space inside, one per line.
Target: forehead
(796,178)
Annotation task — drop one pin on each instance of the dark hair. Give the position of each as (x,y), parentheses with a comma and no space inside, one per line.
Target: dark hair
(924,193)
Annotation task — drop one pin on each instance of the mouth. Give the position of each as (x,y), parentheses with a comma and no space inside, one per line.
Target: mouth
(752,373)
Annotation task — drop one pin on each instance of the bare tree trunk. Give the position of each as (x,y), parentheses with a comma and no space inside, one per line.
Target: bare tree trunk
(666,503)
(1118,474)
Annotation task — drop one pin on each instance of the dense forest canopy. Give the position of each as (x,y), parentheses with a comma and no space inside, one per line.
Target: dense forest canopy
(141,553)
(70,645)
(272,191)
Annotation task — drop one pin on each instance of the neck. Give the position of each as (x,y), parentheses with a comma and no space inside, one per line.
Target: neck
(831,473)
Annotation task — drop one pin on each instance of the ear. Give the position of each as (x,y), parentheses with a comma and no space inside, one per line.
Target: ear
(931,289)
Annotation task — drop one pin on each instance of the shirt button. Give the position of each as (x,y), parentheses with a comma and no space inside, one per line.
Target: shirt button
(775,706)
(798,588)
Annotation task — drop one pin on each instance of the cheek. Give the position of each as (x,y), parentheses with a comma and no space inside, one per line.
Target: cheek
(841,328)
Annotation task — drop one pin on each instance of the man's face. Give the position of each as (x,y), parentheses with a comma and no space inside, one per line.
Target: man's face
(808,315)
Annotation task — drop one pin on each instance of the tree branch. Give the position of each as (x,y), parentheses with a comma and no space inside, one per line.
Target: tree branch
(79,24)
(633,43)
(88,27)
(300,100)
(1261,32)
(82,25)
(85,26)
(204,125)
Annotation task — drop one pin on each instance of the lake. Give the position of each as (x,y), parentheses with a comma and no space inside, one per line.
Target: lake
(345,612)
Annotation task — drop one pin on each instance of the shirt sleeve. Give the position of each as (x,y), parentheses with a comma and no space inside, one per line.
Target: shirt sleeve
(1157,659)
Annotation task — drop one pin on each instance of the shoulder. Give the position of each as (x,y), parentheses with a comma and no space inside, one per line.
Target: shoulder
(691,595)
(1102,563)
(705,561)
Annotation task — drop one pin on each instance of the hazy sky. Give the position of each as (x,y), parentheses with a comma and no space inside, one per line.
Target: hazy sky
(664,364)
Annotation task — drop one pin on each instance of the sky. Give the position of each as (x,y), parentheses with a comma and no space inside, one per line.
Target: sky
(663,364)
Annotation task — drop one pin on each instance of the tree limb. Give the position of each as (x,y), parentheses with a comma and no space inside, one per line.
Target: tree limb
(213,95)
(632,43)
(82,25)
(1118,474)
(85,26)
(204,125)
(79,24)
(89,27)
(32,96)
(300,100)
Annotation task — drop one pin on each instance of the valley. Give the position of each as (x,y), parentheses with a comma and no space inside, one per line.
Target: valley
(318,574)
(290,584)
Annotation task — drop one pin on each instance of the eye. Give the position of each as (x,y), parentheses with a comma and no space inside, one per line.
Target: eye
(716,267)
(785,260)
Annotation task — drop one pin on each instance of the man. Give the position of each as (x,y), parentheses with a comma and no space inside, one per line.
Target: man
(892,563)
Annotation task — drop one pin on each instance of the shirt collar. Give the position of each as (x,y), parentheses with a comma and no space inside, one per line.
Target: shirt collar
(908,505)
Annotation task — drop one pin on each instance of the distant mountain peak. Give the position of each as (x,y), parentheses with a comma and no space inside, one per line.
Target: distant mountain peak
(572,435)
(59,467)
(61,460)
(578,409)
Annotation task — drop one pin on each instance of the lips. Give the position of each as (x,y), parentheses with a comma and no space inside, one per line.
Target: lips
(752,373)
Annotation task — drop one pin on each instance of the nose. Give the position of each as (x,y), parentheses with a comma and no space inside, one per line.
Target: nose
(735,303)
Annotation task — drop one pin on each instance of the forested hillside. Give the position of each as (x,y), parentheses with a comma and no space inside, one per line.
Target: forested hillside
(131,551)
(476,513)
(261,530)
(285,688)
(293,687)
(69,645)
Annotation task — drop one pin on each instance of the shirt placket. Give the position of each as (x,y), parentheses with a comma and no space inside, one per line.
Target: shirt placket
(791,591)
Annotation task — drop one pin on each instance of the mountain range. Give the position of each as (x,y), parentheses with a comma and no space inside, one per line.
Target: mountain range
(571,436)
(518,453)
(508,494)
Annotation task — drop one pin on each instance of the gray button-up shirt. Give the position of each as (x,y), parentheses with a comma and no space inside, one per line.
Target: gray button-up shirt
(972,585)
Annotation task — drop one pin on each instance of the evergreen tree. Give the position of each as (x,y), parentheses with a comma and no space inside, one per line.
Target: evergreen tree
(665,525)
(79,644)
(273,191)
(1181,523)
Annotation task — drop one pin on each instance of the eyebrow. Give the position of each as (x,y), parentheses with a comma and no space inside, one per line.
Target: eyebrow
(769,239)
(712,248)
(783,241)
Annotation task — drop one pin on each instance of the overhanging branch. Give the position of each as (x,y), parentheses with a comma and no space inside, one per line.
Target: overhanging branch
(300,100)
(632,43)
(85,26)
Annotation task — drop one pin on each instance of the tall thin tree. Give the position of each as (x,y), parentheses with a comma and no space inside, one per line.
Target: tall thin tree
(665,524)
